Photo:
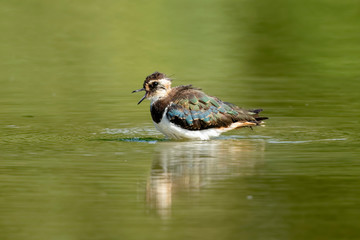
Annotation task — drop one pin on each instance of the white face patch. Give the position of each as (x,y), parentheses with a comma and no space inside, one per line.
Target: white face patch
(166,83)
(160,91)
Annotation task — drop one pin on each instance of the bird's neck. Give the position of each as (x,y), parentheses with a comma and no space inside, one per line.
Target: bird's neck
(160,95)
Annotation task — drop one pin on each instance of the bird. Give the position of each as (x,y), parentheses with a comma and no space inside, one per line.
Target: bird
(186,112)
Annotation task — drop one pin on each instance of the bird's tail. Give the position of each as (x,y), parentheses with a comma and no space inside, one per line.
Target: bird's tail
(255,114)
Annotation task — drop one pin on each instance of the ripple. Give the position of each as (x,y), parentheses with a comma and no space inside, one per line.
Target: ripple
(305,141)
(130,131)
(152,136)
(148,140)
(241,137)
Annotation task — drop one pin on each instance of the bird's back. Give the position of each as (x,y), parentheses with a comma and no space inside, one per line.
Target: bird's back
(192,109)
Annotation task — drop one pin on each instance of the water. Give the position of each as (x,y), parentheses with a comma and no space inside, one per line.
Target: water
(80,160)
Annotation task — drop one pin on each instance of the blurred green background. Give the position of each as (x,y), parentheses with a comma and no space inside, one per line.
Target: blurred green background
(80,160)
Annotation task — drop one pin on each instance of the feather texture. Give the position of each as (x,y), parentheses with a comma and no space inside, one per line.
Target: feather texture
(192,109)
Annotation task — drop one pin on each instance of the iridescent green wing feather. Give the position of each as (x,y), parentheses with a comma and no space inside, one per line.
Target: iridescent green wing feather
(194,110)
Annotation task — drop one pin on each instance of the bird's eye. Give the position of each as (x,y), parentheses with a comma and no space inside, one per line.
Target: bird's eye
(155,84)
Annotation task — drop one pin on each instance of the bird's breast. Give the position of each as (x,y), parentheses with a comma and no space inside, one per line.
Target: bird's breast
(157,110)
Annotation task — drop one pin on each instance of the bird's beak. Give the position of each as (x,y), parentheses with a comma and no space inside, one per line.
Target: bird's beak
(142,99)
(139,90)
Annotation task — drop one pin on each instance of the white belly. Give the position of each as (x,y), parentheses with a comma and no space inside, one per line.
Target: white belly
(173,131)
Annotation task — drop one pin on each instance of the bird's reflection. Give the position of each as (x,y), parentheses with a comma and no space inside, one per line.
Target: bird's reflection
(188,166)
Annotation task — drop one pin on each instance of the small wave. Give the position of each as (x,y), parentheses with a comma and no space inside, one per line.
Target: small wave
(129,131)
(306,141)
(140,135)
(133,139)
(152,136)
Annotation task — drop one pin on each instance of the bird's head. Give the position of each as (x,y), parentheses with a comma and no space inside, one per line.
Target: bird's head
(156,86)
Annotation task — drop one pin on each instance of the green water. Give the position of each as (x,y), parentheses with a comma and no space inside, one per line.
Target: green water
(80,160)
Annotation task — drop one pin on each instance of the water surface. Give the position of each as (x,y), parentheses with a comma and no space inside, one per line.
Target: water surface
(80,160)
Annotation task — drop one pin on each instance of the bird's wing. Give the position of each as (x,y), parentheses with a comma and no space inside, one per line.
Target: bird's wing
(194,110)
